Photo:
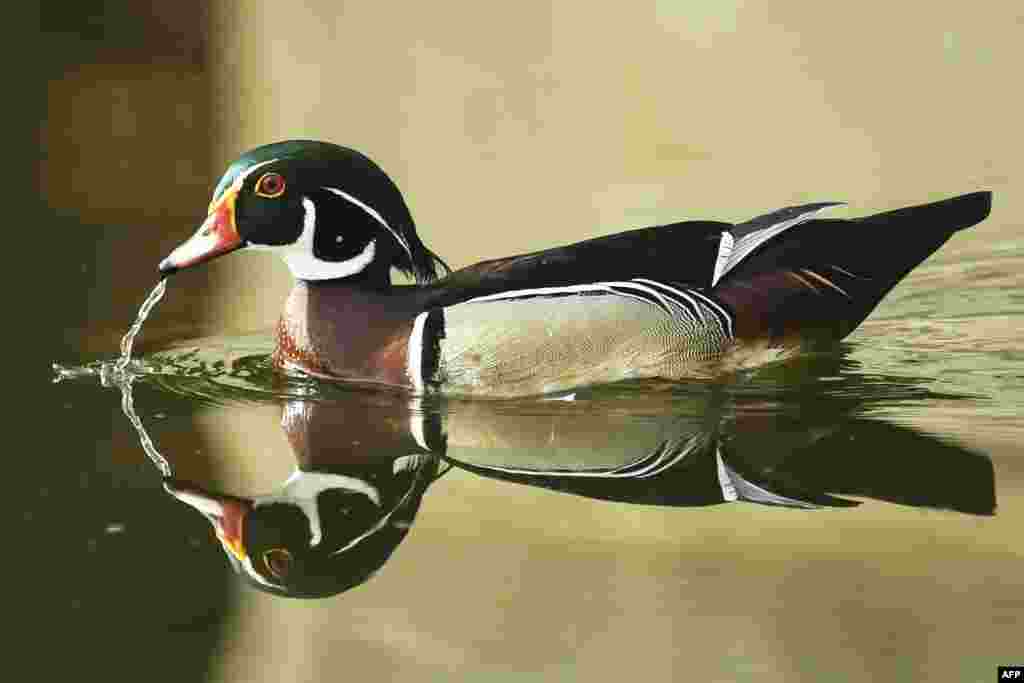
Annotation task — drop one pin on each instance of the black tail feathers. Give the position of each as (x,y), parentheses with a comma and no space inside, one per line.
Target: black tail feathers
(819,279)
(947,215)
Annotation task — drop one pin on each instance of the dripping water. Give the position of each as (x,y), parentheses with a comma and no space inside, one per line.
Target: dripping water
(124,383)
(118,376)
(128,340)
(112,373)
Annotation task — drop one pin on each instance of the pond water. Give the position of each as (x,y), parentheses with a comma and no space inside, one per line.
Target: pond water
(854,515)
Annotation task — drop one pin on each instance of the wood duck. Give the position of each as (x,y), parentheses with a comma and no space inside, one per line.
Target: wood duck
(696,299)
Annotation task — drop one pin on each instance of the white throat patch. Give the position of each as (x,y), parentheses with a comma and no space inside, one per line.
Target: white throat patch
(306,266)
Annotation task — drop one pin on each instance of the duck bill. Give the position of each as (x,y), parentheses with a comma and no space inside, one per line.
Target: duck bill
(217,235)
(225,513)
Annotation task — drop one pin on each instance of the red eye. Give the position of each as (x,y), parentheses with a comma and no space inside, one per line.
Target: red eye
(270,185)
(278,561)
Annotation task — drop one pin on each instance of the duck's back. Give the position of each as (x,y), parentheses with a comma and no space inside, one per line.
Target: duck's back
(682,252)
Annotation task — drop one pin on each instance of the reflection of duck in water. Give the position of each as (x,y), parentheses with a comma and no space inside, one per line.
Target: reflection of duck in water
(800,453)
(365,463)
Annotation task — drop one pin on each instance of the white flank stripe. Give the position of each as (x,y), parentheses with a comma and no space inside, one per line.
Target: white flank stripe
(634,297)
(697,306)
(414,358)
(373,212)
(653,292)
(542,291)
(649,287)
(714,304)
(605,287)
(697,300)
(678,292)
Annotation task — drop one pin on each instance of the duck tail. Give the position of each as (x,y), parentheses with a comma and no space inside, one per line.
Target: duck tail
(817,279)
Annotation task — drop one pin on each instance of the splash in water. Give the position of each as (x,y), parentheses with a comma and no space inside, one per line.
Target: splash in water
(111,376)
(118,374)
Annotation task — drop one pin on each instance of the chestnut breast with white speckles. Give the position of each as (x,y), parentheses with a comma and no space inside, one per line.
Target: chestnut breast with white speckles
(344,333)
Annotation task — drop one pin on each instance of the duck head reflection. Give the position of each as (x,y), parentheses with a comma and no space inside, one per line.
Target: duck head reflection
(337,519)
(364,464)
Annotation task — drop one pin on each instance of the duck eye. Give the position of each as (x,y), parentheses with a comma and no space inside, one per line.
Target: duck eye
(278,562)
(270,185)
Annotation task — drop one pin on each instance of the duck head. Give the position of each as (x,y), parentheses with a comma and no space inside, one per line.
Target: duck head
(329,211)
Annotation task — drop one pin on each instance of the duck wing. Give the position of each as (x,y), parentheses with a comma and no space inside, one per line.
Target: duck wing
(680,252)
(744,239)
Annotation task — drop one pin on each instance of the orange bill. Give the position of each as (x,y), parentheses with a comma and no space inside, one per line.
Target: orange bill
(225,513)
(216,236)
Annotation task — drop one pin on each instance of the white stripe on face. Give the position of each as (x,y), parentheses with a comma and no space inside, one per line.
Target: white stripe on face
(375,215)
(237,185)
